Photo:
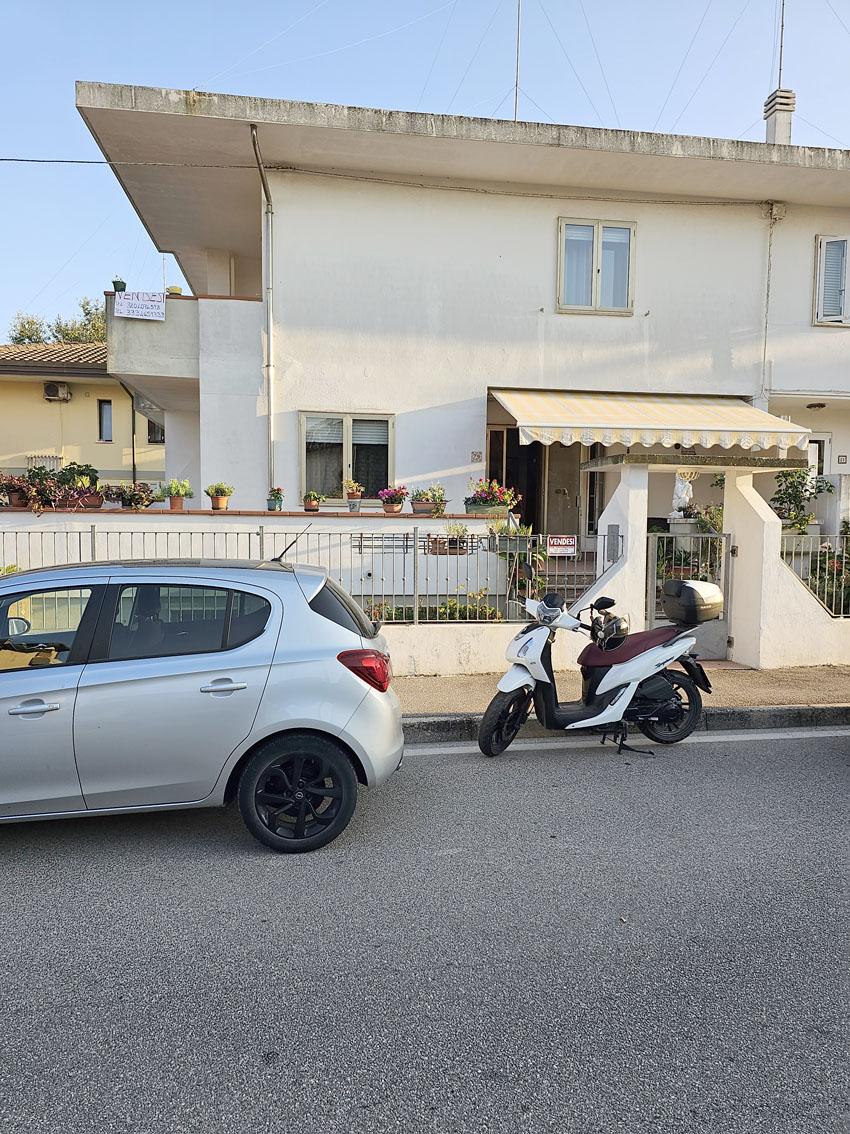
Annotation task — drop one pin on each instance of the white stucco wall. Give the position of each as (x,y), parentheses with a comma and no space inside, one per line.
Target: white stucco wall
(183,447)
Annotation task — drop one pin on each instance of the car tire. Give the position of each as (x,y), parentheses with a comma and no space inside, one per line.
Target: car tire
(297,793)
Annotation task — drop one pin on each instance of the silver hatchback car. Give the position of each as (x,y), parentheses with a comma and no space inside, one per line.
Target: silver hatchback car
(142,686)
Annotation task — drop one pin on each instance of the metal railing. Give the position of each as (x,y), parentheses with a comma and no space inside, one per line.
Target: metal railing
(700,556)
(823,564)
(416,576)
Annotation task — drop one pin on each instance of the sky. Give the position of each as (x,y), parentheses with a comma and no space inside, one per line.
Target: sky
(682,66)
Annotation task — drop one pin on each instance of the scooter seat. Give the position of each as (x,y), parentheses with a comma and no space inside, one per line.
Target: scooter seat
(634,644)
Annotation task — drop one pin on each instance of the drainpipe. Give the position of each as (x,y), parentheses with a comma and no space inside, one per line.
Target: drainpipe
(129,394)
(268,360)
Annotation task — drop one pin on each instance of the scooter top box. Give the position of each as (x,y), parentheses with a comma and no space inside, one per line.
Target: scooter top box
(691,601)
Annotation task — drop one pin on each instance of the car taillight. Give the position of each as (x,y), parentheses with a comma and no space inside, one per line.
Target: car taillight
(371,666)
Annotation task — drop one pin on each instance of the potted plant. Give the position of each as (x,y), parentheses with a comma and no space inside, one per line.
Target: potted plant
(118,284)
(14,489)
(393,498)
(178,491)
(454,542)
(488,497)
(80,484)
(795,490)
(219,494)
(312,500)
(429,501)
(136,495)
(274,500)
(353,494)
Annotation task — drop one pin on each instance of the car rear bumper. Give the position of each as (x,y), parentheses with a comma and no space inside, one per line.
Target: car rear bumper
(374,732)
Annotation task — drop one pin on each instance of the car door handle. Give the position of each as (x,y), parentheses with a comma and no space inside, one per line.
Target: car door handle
(31,709)
(224,686)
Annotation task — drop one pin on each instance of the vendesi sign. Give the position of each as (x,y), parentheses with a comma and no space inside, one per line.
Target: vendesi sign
(140,305)
(561,545)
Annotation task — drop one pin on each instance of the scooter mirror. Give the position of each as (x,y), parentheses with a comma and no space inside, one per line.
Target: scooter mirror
(527,570)
(603,603)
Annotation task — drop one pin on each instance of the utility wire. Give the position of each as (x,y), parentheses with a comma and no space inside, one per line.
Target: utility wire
(599,61)
(682,64)
(347,46)
(475,54)
(537,104)
(835,13)
(436,55)
(775,44)
(272,39)
(570,62)
(741,133)
(503,100)
(838,141)
(74,254)
(710,67)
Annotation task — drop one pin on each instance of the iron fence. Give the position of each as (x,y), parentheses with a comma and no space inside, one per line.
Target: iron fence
(823,564)
(419,575)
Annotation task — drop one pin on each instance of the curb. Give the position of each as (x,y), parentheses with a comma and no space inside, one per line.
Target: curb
(454,727)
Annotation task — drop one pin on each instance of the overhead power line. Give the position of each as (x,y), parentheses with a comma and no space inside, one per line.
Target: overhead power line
(831,7)
(599,61)
(272,39)
(710,67)
(475,54)
(347,46)
(436,55)
(73,255)
(682,64)
(566,55)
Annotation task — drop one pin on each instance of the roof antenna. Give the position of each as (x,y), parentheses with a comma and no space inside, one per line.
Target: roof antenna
(518,31)
(781,41)
(292,543)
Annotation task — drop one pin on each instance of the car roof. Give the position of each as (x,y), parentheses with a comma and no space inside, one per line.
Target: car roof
(179,566)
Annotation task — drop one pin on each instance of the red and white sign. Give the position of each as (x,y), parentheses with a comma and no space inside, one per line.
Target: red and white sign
(562,545)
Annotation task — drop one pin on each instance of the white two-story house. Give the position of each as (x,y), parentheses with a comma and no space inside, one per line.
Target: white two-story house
(410,298)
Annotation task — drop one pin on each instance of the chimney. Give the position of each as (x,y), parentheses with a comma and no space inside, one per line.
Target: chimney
(777,114)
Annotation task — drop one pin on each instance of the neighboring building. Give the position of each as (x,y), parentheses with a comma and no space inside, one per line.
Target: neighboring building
(420,298)
(58,404)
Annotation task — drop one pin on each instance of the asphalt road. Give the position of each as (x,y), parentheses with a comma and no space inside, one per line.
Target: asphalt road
(551,941)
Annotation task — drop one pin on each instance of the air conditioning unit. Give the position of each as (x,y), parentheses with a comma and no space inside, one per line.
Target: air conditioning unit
(57,392)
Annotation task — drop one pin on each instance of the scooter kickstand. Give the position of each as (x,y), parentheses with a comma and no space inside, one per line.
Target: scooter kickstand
(623,747)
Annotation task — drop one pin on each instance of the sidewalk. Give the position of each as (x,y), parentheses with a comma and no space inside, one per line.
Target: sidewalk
(734,688)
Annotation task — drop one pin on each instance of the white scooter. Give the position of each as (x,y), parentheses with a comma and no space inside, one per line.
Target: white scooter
(625,678)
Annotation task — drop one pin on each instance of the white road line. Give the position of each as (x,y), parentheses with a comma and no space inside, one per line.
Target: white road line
(638,739)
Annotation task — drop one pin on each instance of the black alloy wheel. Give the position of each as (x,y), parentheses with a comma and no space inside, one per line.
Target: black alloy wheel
(505,716)
(297,793)
(679,716)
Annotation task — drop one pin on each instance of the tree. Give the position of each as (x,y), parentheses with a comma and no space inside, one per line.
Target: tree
(27,329)
(88,327)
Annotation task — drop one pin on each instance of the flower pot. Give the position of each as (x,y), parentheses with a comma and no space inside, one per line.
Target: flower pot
(311,505)
(274,505)
(354,503)
(486,510)
(17,499)
(175,503)
(422,507)
(119,285)
(393,509)
(92,500)
(219,503)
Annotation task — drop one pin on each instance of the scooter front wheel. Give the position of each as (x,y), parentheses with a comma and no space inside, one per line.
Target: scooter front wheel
(505,716)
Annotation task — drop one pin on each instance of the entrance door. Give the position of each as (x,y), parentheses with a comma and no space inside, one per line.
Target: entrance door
(563,498)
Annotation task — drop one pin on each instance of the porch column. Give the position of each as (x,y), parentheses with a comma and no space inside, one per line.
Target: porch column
(756,531)
(628,510)
(182,450)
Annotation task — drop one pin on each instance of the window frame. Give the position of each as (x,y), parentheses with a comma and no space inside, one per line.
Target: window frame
(161,428)
(595,308)
(347,447)
(102,635)
(101,440)
(85,632)
(818,319)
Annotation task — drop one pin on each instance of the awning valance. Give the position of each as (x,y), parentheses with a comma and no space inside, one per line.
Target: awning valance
(651,419)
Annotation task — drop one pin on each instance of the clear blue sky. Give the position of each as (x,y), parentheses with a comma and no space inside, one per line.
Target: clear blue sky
(65,230)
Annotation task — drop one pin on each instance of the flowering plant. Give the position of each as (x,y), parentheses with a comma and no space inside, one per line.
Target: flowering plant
(352,488)
(394,494)
(137,495)
(433,494)
(314,497)
(491,494)
(275,494)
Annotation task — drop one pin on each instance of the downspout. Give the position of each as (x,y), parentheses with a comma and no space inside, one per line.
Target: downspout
(268,359)
(132,427)
(774,211)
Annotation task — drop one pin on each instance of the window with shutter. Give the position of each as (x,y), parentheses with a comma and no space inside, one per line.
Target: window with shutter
(832,306)
(337,447)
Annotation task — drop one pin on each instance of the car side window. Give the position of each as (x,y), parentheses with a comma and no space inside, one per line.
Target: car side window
(39,628)
(158,620)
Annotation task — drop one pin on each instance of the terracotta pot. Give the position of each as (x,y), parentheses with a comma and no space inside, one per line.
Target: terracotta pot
(422,507)
(354,496)
(17,499)
(219,503)
(175,503)
(311,505)
(92,500)
(393,509)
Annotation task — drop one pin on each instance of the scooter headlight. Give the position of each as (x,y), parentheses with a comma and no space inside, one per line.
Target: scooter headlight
(523,650)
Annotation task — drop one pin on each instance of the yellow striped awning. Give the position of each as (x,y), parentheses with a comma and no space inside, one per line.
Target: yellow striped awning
(651,419)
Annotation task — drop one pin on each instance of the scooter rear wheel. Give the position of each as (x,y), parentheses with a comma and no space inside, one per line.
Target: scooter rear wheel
(687,715)
(505,716)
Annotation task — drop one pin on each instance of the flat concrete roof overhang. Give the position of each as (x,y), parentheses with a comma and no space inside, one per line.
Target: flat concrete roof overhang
(669,462)
(201,189)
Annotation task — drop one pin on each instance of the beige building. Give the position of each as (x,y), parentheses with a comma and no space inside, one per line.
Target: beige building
(58,404)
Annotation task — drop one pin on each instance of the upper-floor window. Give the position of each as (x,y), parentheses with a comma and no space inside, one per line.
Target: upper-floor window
(344,446)
(595,266)
(831,304)
(104,419)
